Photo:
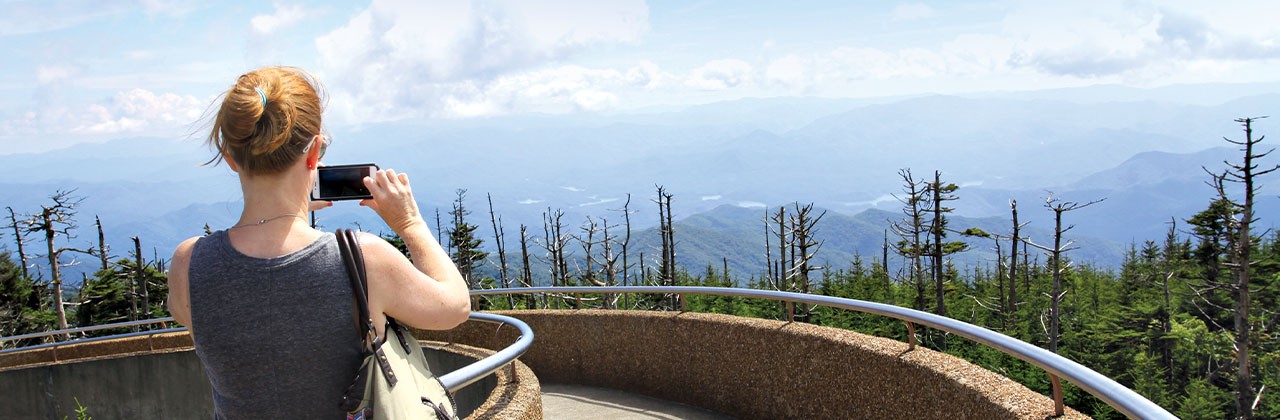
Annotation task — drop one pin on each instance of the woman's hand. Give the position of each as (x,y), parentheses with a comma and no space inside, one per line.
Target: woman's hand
(393,200)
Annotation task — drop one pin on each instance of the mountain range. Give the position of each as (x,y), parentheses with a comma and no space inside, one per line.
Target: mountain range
(725,163)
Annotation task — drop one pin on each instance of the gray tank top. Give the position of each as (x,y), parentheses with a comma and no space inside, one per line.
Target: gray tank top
(277,336)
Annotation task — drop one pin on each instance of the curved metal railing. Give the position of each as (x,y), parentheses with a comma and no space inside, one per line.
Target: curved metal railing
(471,373)
(453,381)
(1117,396)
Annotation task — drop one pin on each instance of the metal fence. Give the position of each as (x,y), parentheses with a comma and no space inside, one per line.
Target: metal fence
(1117,396)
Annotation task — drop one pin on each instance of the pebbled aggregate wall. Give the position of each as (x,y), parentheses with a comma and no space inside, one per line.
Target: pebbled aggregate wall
(755,368)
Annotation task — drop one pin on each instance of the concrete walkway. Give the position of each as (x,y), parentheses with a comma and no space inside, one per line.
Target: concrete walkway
(578,402)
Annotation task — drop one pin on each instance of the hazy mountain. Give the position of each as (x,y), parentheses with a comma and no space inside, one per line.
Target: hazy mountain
(843,155)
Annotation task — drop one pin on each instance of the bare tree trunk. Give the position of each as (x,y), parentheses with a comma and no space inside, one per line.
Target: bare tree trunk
(526,271)
(102,244)
(142,279)
(1056,266)
(1013,265)
(499,237)
(1055,254)
(54,270)
(1241,260)
(768,248)
(134,279)
(17,237)
(626,267)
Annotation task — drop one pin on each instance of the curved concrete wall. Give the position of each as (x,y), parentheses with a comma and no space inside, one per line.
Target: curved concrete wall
(753,368)
(161,377)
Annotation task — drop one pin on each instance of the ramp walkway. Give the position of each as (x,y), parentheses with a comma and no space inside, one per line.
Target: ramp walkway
(581,402)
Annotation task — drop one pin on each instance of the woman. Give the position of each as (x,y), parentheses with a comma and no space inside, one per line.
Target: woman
(267,301)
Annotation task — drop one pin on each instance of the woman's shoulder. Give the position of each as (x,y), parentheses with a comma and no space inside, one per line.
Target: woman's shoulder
(183,252)
(374,245)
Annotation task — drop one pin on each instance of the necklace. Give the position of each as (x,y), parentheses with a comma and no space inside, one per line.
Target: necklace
(263,221)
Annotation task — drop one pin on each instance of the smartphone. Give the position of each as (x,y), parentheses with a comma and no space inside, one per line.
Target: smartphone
(342,182)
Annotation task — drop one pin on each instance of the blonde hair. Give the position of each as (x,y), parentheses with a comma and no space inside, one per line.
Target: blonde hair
(267,119)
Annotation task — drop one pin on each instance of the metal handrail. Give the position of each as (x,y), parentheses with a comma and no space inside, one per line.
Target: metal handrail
(453,381)
(1117,396)
(78,330)
(469,374)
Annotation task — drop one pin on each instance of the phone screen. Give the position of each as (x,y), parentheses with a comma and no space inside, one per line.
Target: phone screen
(343,182)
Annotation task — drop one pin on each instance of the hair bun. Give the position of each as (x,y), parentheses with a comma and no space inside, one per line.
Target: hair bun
(267,118)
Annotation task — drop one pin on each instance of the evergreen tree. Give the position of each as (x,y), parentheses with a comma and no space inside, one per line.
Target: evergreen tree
(1203,401)
(106,297)
(463,240)
(22,309)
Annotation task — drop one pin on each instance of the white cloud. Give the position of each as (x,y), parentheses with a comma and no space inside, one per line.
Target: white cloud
(284,17)
(140,110)
(412,58)
(711,197)
(912,11)
(1139,41)
(554,90)
(720,75)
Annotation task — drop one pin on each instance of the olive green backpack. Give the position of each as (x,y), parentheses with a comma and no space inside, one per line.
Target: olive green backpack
(394,382)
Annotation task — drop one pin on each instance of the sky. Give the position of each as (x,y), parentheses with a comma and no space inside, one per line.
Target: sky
(90,70)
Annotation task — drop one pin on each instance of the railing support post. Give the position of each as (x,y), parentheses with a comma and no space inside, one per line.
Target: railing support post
(791,313)
(911,336)
(1057,395)
(682,306)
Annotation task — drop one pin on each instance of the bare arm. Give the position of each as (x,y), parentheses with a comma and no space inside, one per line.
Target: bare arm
(428,293)
(179,301)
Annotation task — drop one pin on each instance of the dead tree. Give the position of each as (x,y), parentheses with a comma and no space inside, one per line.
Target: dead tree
(57,220)
(589,241)
(1014,237)
(805,246)
(779,268)
(102,251)
(626,242)
(554,243)
(499,238)
(768,251)
(603,263)
(667,271)
(1240,246)
(526,277)
(910,228)
(19,236)
(140,278)
(1058,206)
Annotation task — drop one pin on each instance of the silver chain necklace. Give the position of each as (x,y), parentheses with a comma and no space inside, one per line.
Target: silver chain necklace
(263,221)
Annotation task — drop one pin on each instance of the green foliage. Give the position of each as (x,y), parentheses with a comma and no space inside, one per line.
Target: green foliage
(111,295)
(82,412)
(1203,401)
(22,303)
(463,242)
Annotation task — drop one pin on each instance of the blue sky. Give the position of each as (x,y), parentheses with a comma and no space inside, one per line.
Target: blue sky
(89,70)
